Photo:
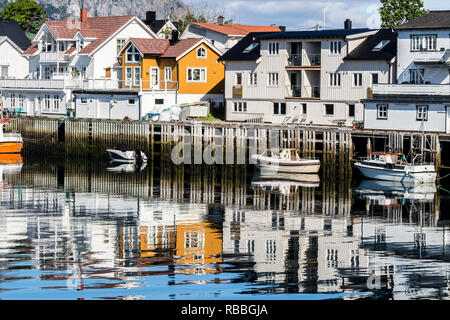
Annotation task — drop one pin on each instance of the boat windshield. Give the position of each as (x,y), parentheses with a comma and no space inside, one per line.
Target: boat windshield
(392,158)
(271,154)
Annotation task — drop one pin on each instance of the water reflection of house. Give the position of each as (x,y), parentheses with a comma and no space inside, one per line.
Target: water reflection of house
(293,249)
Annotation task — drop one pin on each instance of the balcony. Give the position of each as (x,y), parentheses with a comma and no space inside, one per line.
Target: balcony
(411,89)
(303,92)
(304,61)
(53,57)
(32,84)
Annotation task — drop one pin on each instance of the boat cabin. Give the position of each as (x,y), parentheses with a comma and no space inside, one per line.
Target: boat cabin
(387,158)
(289,154)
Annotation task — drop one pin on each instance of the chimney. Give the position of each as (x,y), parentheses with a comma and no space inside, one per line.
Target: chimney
(174,36)
(83,15)
(348,24)
(220,20)
(282,28)
(150,16)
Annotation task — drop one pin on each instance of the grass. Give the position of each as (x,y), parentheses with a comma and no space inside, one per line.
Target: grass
(209,118)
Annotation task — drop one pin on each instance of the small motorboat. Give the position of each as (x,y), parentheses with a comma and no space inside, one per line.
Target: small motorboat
(121,156)
(287,161)
(394,167)
(9,142)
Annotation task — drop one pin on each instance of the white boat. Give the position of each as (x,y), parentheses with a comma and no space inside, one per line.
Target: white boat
(393,167)
(282,181)
(118,167)
(287,161)
(136,156)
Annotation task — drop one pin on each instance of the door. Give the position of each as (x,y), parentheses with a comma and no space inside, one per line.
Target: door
(154,78)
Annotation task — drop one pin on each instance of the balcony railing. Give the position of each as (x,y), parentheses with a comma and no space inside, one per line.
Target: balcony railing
(53,57)
(305,92)
(32,84)
(304,60)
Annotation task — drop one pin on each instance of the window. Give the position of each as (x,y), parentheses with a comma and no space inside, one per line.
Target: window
(56,102)
(12,99)
(422,113)
(417,76)
(154,77)
(120,44)
(335,80)
(168,73)
(159,101)
(137,76)
(335,47)
(132,101)
(240,107)
(253,79)
(357,79)
(250,47)
(329,109)
(83,100)
(201,53)
(133,55)
(47,101)
(304,108)
(196,74)
(128,75)
(194,239)
(274,48)
(238,78)
(382,111)
(381,45)
(351,110)
(374,78)
(272,79)
(423,42)
(279,108)
(3,71)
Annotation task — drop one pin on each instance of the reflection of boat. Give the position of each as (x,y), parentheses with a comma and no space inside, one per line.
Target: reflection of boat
(122,156)
(393,189)
(10,164)
(126,167)
(10,142)
(285,183)
(287,161)
(393,167)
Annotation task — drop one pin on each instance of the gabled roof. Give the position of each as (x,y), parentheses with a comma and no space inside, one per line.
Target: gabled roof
(98,28)
(365,51)
(31,49)
(157,25)
(332,33)
(180,47)
(150,46)
(14,32)
(433,20)
(235,29)
(236,53)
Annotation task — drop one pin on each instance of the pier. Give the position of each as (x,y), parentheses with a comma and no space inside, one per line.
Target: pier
(78,137)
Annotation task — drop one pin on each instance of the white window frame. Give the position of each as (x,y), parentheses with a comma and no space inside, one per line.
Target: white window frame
(47,102)
(274,48)
(154,83)
(202,56)
(236,78)
(423,42)
(417,76)
(202,71)
(278,108)
(334,80)
(134,53)
(56,102)
(422,112)
(168,74)
(136,79)
(253,79)
(128,80)
(382,111)
(240,106)
(120,43)
(335,47)
(12,100)
(273,79)
(357,80)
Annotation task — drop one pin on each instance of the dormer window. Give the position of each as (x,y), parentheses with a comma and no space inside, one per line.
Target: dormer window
(201,53)
(133,55)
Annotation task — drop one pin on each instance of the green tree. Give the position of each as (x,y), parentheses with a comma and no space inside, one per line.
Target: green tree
(396,12)
(27,13)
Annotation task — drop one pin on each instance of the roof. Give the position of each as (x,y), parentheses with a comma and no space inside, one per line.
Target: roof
(235,29)
(157,25)
(236,52)
(14,32)
(151,46)
(365,51)
(332,33)
(432,20)
(32,49)
(181,46)
(98,28)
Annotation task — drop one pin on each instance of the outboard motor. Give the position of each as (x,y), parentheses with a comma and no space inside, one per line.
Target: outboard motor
(138,156)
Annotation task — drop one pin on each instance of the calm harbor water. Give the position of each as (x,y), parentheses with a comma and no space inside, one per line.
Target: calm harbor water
(72,231)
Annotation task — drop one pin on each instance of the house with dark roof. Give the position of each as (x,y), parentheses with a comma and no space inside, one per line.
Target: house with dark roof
(316,77)
(222,35)
(13,42)
(171,72)
(163,28)
(75,53)
(419,99)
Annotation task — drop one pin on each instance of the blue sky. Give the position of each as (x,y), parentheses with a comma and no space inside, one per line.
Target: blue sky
(300,14)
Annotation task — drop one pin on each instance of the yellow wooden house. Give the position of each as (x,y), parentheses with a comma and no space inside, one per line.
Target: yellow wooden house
(169,72)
